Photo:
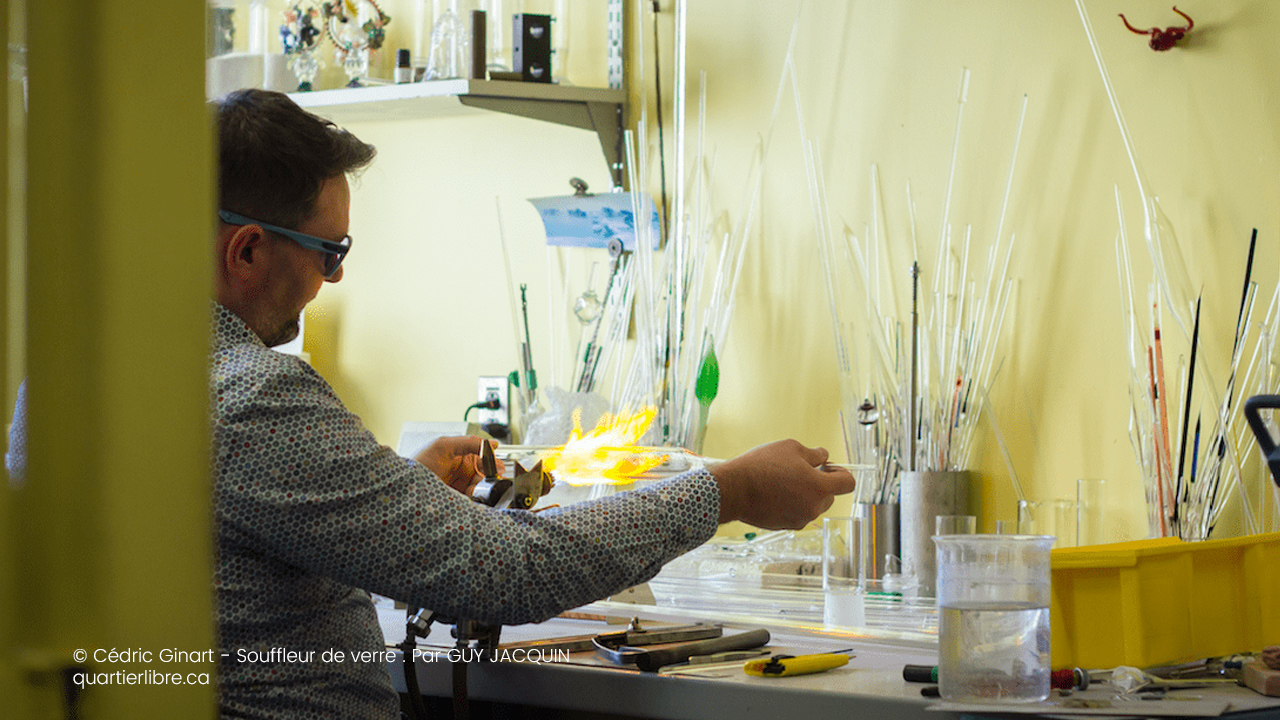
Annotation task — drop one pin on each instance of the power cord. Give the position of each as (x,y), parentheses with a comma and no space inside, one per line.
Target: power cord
(492,403)
(497,431)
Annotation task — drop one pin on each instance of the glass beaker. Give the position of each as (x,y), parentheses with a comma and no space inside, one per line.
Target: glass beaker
(1048,517)
(1091,516)
(993,610)
(955,525)
(844,604)
(499,28)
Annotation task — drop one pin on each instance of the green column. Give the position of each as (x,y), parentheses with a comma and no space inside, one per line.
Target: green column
(112,544)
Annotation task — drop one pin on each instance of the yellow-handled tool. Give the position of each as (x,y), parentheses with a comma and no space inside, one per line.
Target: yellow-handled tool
(780,665)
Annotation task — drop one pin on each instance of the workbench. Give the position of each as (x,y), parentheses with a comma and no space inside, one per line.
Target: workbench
(869,686)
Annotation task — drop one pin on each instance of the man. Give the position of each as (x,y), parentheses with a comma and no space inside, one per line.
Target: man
(312,512)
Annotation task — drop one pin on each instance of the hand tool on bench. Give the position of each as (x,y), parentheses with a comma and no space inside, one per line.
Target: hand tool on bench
(650,660)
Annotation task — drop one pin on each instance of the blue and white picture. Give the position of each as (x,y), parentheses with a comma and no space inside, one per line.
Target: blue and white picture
(593,220)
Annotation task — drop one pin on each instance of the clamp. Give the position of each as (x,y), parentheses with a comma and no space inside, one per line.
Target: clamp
(520,492)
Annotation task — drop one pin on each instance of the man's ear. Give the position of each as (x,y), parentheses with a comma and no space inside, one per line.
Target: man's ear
(243,252)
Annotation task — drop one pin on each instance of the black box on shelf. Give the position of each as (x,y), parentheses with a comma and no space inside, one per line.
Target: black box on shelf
(531,47)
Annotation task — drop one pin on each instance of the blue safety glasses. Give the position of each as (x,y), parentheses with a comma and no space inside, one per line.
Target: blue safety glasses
(333,252)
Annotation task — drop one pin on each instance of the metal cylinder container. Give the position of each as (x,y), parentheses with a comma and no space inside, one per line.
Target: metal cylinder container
(880,536)
(925,496)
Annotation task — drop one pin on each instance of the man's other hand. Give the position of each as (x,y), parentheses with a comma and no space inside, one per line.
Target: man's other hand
(781,485)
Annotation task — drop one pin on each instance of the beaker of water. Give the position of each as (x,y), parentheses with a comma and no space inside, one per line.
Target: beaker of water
(993,609)
(844,601)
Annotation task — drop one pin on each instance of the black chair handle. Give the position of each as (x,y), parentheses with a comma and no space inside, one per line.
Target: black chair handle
(1265,442)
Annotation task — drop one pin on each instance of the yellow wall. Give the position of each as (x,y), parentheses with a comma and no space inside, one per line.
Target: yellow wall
(423,308)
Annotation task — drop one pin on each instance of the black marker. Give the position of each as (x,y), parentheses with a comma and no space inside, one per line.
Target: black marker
(920,673)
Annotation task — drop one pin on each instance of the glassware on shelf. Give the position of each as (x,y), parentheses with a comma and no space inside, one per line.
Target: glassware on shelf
(300,35)
(259,32)
(560,41)
(220,27)
(448,57)
(425,12)
(356,28)
(499,55)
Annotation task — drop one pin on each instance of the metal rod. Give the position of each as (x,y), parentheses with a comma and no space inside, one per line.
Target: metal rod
(530,378)
(1244,296)
(1166,464)
(915,332)
(1155,436)
(662,151)
(1186,413)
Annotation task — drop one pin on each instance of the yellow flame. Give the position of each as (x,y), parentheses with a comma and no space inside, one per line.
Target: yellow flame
(608,455)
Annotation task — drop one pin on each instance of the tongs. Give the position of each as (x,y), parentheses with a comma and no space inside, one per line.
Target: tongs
(633,635)
(622,649)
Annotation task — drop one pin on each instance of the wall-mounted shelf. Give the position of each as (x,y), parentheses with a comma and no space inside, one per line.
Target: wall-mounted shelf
(599,110)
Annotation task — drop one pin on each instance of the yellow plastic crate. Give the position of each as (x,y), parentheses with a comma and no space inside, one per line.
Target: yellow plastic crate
(1162,601)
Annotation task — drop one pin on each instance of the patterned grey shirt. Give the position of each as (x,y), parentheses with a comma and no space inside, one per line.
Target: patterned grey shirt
(309,508)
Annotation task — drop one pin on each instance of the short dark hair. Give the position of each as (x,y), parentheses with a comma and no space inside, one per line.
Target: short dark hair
(274,157)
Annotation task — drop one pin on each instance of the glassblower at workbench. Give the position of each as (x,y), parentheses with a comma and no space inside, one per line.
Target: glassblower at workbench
(312,512)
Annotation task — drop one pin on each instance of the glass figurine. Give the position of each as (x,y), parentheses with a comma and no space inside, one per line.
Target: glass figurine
(449,47)
(356,28)
(299,35)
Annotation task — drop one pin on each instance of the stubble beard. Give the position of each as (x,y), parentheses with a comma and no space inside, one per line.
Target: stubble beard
(287,331)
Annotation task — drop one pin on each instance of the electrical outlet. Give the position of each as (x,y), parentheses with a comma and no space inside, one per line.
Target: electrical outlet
(494,386)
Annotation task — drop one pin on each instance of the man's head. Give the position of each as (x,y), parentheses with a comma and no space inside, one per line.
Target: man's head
(283,184)
(273,156)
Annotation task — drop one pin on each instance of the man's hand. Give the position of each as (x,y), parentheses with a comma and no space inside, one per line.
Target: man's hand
(456,461)
(782,485)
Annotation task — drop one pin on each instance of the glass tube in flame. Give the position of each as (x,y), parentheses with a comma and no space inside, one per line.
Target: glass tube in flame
(607,455)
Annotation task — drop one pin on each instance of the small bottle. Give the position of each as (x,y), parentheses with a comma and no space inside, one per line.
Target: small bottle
(404,71)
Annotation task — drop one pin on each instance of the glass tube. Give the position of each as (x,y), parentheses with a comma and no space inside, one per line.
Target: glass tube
(1090,511)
